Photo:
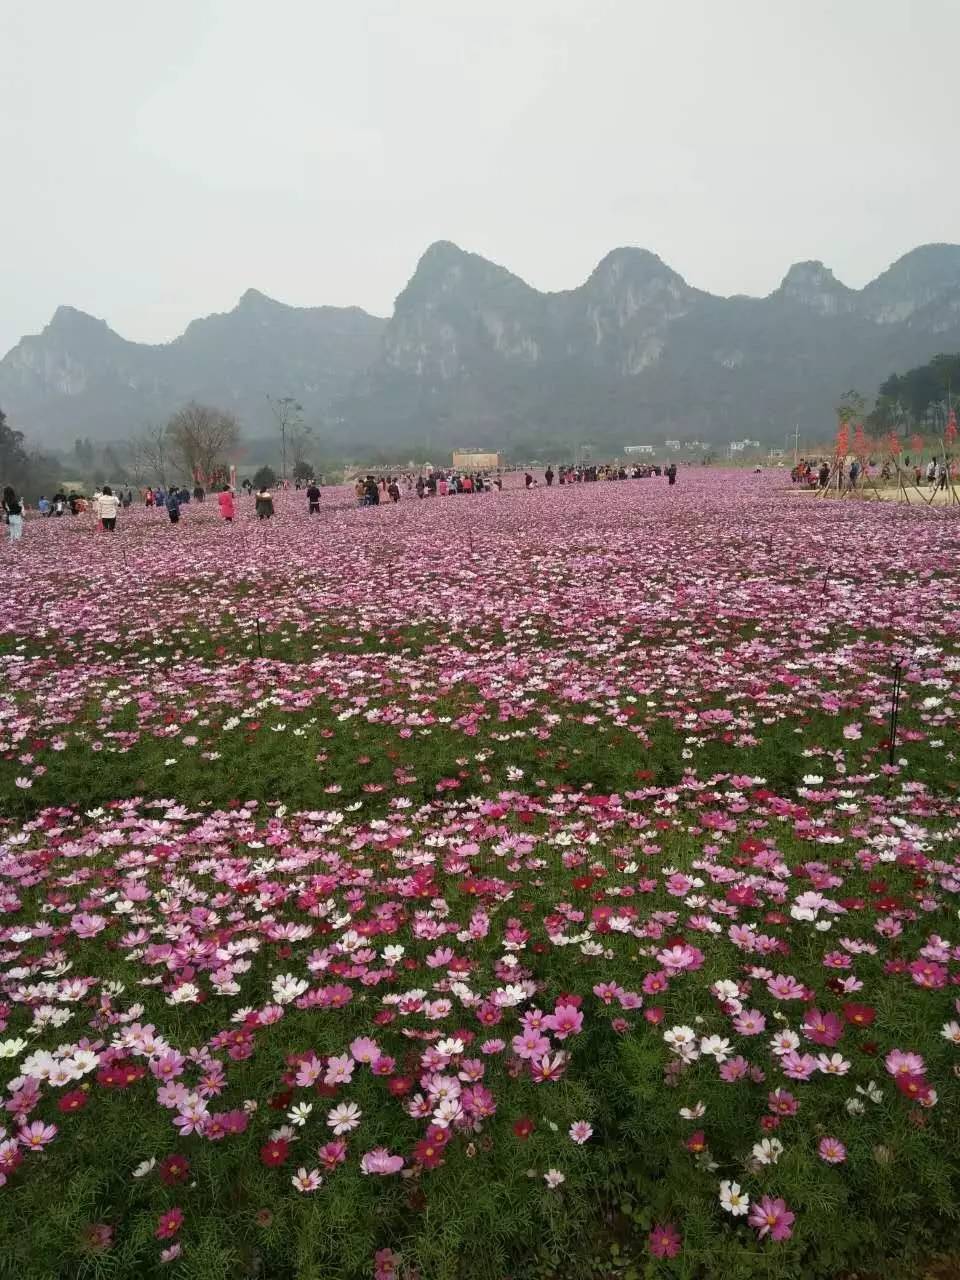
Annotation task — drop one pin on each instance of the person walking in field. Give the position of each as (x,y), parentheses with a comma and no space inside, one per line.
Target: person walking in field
(172,504)
(225,503)
(264,503)
(105,508)
(13,513)
(313,498)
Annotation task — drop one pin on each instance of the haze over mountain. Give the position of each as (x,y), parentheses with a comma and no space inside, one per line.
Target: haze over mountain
(473,354)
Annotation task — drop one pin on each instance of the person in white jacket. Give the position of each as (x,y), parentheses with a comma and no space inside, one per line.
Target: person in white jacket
(106,507)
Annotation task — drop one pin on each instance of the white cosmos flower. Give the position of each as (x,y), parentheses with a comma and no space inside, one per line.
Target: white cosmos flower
(716,1047)
(834,1064)
(951,1031)
(286,987)
(767,1151)
(553,1178)
(344,1117)
(186,993)
(450,1048)
(144,1167)
(300,1114)
(61,1074)
(871,1091)
(38,1065)
(680,1037)
(307,1181)
(733,1200)
(447,1112)
(693,1113)
(784,1042)
(12,1048)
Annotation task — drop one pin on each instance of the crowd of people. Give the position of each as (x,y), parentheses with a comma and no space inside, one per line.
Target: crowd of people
(589,472)
(853,473)
(369,489)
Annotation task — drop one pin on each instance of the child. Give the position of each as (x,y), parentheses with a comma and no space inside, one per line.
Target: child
(225,502)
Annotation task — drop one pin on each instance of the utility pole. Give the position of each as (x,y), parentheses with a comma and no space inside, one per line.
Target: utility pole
(796,444)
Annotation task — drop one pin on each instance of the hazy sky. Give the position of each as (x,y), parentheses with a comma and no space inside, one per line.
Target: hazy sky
(158,158)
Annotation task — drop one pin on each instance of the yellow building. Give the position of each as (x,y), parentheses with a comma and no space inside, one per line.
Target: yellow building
(468,460)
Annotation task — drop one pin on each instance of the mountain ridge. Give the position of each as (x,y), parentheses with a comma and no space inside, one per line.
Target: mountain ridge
(472,349)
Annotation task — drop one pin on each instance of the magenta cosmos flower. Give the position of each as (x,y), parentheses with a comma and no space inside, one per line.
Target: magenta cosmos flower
(664,1241)
(772,1217)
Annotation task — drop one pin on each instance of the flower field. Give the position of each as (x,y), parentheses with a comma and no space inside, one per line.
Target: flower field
(500,887)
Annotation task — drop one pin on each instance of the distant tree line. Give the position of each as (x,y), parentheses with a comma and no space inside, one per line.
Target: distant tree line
(28,471)
(918,400)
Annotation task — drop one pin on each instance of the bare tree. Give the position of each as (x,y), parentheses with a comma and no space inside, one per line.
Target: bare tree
(201,439)
(148,455)
(288,413)
(301,441)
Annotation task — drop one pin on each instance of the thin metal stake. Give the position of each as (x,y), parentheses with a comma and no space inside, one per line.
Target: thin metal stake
(259,639)
(895,708)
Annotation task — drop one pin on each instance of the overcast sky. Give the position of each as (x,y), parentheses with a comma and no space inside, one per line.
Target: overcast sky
(161,156)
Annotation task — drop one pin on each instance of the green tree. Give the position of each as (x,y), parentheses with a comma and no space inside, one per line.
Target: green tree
(13,455)
(852,407)
(302,471)
(265,478)
(30,473)
(909,401)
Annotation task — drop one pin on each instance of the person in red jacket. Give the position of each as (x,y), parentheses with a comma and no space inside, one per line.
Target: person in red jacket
(225,502)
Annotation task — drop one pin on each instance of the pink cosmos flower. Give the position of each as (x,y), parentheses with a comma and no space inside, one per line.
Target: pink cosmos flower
(607,991)
(339,1070)
(547,1067)
(733,1069)
(380,1161)
(363,1049)
(531,1044)
(35,1136)
(899,1062)
(822,1028)
(681,958)
(749,1022)
(581,1131)
(782,1103)
(87,926)
(169,1224)
(332,1154)
(772,1217)
(564,1021)
(309,1072)
(786,987)
(832,1150)
(798,1066)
